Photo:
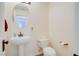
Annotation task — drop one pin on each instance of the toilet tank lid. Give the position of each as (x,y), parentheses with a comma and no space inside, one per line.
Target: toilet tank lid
(43,39)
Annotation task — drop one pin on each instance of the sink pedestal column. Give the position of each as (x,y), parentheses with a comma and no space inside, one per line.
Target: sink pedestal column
(21,50)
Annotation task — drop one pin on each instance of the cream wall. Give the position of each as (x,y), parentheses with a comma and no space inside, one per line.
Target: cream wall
(61,27)
(39,21)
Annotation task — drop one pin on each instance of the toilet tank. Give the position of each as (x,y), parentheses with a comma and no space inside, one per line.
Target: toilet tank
(43,43)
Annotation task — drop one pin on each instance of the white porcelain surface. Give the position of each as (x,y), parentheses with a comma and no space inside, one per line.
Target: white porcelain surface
(19,40)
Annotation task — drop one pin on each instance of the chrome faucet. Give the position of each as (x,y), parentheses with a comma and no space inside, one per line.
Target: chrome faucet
(20,34)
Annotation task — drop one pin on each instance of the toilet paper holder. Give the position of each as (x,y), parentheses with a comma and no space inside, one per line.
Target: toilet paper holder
(64,44)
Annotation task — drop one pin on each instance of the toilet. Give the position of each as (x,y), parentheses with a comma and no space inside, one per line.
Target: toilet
(47,51)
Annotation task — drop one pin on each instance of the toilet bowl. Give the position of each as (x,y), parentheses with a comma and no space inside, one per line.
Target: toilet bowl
(47,51)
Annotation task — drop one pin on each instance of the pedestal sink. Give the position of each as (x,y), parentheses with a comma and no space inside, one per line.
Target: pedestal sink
(20,41)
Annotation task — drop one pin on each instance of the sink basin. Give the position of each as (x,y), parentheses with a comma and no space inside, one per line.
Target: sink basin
(19,40)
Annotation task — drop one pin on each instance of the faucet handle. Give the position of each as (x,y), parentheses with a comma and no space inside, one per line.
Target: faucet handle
(20,34)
